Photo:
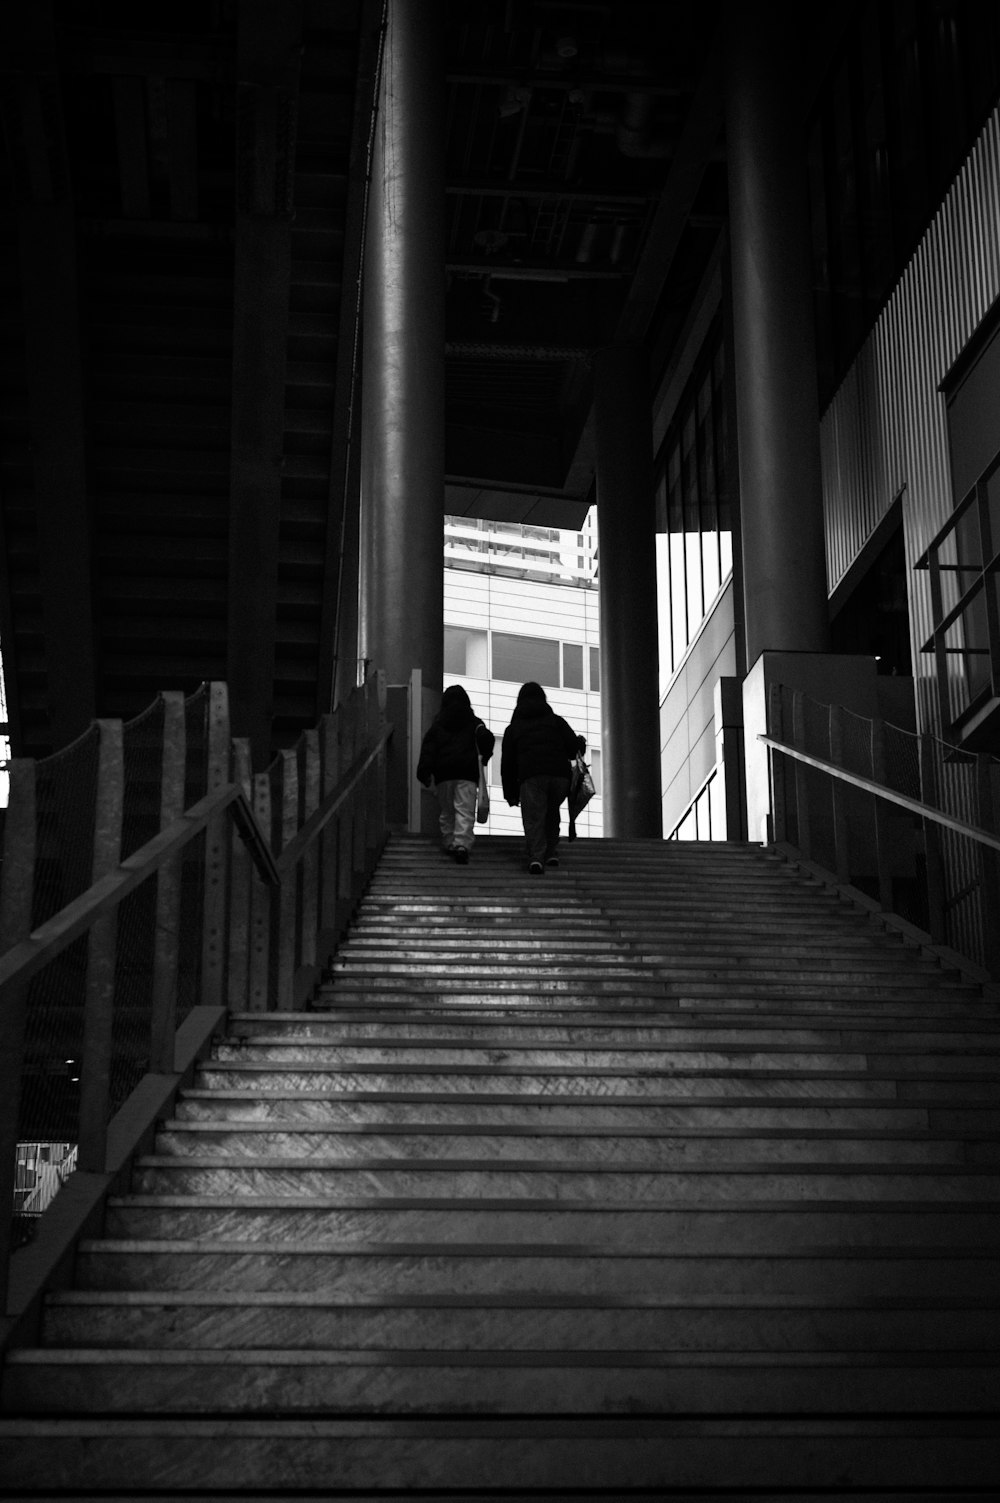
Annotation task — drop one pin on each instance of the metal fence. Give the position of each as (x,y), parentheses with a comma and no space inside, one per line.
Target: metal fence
(146,874)
(908,819)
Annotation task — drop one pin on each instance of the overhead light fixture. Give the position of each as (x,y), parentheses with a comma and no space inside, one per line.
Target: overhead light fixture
(566,47)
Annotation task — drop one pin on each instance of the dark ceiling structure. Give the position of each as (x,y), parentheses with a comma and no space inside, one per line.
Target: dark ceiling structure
(586,191)
(183,190)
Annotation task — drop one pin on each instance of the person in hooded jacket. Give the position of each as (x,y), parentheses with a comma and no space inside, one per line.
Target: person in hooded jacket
(538,746)
(449,761)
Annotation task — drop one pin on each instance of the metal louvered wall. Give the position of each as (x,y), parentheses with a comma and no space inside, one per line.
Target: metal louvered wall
(885,431)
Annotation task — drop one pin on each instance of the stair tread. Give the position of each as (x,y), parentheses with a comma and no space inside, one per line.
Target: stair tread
(482,1358)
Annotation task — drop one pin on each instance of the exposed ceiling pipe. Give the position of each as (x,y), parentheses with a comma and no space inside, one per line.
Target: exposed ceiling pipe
(634,133)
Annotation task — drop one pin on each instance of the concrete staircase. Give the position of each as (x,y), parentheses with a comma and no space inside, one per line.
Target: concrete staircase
(667,1172)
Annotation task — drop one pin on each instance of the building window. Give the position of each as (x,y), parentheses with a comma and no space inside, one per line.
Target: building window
(595,670)
(593,760)
(572,664)
(525,659)
(465,652)
(964,566)
(694,512)
(706,817)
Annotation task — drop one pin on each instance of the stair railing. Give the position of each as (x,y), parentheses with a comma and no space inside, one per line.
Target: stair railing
(909,822)
(149,883)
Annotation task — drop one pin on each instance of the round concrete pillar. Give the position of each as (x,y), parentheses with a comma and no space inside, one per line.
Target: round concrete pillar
(784,559)
(630,717)
(402,450)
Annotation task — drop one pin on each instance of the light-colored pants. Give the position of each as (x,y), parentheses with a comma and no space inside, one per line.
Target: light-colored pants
(457,802)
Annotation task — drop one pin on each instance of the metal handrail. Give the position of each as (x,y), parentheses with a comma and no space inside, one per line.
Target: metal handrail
(868,785)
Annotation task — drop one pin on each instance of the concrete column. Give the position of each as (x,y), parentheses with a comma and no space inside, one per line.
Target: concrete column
(630,717)
(401,620)
(784,562)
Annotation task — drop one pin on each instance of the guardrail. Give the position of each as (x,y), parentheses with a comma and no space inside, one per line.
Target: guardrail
(908,820)
(149,883)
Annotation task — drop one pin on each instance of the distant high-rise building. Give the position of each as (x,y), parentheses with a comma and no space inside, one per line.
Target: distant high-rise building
(520,603)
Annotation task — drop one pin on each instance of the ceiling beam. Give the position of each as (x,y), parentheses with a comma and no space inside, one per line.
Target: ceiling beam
(558,188)
(695,150)
(535,271)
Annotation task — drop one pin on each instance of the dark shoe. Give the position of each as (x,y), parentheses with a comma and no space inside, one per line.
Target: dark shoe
(552,861)
(536,868)
(461,855)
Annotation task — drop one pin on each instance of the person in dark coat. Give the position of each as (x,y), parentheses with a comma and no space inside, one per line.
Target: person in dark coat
(538,747)
(449,762)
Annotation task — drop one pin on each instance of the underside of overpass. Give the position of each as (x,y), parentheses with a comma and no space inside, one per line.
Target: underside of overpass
(184,192)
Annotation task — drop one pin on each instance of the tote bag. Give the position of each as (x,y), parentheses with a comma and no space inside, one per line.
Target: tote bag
(482,797)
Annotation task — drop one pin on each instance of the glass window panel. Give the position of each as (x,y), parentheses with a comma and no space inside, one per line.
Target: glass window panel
(968,543)
(594,761)
(572,666)
(595,670)
(678,599)
(465,652)
(977,652)
(713,578)
(726,553)
(993,511)
(695,594)
(688,827)
(519,659)
(717,805)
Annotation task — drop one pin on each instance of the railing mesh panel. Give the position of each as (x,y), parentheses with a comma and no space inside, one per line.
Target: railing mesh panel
(945,778)
(66,793)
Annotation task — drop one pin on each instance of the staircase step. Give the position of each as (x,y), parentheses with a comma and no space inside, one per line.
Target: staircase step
(742,1077)
(450,1457)
(108,1381)
(663,1030)
(208,1320)
(330,1177)
(684,1233)
(583,1113)
(618,1147)
(640,1058)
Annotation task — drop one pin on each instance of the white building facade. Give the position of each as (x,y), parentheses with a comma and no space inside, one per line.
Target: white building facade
(520,603)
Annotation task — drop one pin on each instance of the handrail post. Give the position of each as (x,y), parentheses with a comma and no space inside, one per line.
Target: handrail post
(990,859)
(260,906)
(241,873)
(331,764)
(933,862)
(17,884)
(379,696)
(841,826)
(802,820)
(882,837)
(779,796)
(166,942)
(98,1017)
(311,779)
(283,934)
(213,967)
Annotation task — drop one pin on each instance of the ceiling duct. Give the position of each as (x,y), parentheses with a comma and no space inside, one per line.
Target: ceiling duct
(635,134)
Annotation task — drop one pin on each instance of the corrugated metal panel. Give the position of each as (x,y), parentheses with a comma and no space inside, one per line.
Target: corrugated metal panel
(885,429)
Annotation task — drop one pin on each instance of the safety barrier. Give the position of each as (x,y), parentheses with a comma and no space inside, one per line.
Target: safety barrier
(908,820)
(149,882)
